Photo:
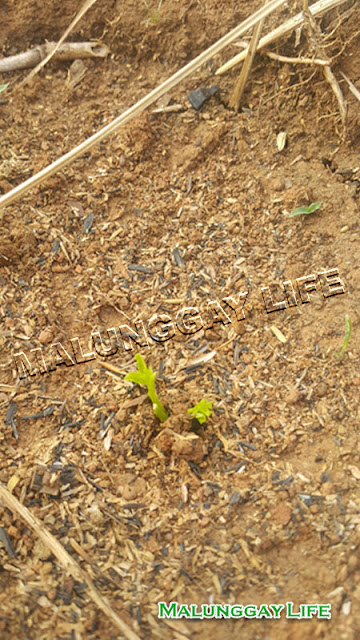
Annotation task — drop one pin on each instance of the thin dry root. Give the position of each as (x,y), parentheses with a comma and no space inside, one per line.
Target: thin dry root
(352,87)
(311,61)
(337,91)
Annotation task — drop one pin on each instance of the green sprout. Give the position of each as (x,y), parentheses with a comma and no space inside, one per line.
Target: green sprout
(348,329)
(145,376)
(154,15)
(201,411)
(3,87)
(300,211)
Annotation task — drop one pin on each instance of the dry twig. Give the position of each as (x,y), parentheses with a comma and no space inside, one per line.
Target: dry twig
(287,27)
(12,503)
(66,51)
(87,4)
(140,106)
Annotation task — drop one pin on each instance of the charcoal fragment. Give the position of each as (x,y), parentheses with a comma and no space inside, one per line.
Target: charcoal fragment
(198,97)
(88,223)
(138,267)
(177,257)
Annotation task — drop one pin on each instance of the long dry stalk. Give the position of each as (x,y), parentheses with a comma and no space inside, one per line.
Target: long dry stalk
(149,99)
(246,68)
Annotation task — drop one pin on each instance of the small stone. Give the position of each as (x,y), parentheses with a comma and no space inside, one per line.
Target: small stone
(95,514)
(281,514)
(44,602)
(193,449)
(293,396)
(321,389)
(14,532)
(46,336)
(41,551)
(134,490)
(278,184)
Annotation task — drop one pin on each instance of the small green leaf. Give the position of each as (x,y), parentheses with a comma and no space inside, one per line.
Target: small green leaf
(348,330)
(136,376)
(3,87)
(201,411)
(140,363)
(300,211)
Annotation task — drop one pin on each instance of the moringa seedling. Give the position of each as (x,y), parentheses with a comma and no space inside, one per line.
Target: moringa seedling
(145,376)
(201,411)
(348,329)
(301,211)
(3,87)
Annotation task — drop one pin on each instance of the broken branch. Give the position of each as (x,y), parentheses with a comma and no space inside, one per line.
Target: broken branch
(66,51)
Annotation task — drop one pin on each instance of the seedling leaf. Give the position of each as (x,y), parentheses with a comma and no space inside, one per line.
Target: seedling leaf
(201,411)
(300,211)
(348,330)
(146,377)
(3,87)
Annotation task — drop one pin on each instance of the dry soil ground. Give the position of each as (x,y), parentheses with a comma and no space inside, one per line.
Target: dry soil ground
(179,209)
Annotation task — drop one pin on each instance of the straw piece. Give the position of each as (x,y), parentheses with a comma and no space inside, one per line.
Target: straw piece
(245,71)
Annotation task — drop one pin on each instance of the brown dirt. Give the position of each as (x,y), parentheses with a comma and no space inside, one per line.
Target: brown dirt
(275,519)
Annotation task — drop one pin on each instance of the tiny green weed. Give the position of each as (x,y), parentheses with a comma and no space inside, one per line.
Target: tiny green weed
(154,14)
(145,376)
(303,211)
(3,87)
(201,411)
(348,330)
